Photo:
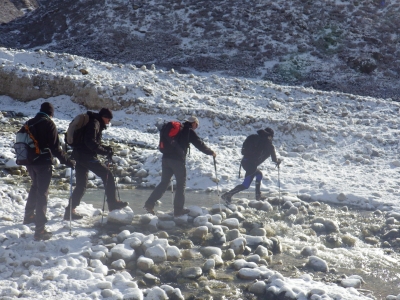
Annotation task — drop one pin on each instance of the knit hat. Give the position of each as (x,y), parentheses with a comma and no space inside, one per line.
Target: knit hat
(47,108)
(269,131)
(106,113)
(193,119)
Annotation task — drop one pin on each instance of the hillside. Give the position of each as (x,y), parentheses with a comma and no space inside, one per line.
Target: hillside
(349,46)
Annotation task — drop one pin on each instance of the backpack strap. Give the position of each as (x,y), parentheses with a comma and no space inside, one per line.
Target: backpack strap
(35,142)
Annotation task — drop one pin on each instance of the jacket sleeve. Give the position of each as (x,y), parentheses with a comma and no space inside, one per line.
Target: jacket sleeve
(273,153)
(54,145)
(198,143)
(90,138)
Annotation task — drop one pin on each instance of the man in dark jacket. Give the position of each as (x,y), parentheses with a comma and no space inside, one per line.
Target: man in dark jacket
(174,163)
(86,158)
(258,149)
(45,132)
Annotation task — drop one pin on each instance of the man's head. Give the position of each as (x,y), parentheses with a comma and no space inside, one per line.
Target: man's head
(106,115)
(269,132)
(47,108)
(194,121)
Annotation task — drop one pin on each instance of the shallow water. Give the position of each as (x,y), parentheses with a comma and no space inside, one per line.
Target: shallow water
(377,266)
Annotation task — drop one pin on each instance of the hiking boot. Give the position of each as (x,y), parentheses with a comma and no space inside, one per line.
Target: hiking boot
(181,212)
(42,235)
(116,205)
(150,210)
(227,197)
(28,219)
(260,197)
(74,215)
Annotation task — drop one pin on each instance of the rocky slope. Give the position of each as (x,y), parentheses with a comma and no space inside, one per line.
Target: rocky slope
(350,46)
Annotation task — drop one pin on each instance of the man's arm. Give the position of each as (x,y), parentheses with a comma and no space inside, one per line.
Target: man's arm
(199,144)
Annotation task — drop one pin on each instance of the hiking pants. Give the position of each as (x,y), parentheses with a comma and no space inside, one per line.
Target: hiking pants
(82,169)
(37,197)
(170,167)
(251,171)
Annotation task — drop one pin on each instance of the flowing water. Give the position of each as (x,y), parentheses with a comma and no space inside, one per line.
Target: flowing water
(379,267)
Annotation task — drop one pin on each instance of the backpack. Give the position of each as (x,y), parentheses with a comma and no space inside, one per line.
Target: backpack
(250,145)
(172,130)
(26,146)
(76,129)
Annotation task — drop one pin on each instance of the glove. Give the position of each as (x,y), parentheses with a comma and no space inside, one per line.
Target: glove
(278,162)
(72,164)
(110,153)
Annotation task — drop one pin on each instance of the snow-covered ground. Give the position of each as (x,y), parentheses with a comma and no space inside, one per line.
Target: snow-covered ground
(337,148)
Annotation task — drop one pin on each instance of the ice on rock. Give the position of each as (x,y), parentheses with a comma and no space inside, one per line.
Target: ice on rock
(156,253)
(121,216)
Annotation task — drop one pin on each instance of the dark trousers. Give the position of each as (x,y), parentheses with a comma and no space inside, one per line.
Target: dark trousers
(82,169)
(170,167)
(37,198)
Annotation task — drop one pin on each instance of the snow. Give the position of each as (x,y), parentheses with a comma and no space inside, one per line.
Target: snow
(336,147)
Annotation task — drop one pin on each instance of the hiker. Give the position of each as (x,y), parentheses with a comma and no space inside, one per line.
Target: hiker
(174,163)
(256,149)
(45,133)
(85,153)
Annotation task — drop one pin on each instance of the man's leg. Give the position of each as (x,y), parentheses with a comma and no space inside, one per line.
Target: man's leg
(179,169)
(81,176)
(259,177)
(30,205)
(42,178)
(160,189)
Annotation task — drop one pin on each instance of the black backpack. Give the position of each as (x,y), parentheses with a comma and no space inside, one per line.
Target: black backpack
(168,133)
(250,145)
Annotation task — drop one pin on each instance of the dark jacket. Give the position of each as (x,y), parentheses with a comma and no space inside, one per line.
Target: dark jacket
(263,149)
(187,136)
(45,132)
(91,145)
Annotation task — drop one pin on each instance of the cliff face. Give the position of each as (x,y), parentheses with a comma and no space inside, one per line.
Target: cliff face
(350,46)
(13,9)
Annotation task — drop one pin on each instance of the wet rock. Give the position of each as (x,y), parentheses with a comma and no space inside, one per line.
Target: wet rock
(122,251)
(333,240)
(309,251)
(331,226)
(118,264)
(171,274)
(277,246)
(231,223)
(262,251)
(166,225)
(186,244)
(253,258)
(216,219)
(208,251)
(151,279)
(238,245)
(156,253)
(145,264)
(200,232)
(258,288)
(173,253)
(318,227)
(237,215)
(371,240)
(317,264)
(249,274)
(392,234)
(208,265)
(229,254)
(173,294)
(192,272)
(232,234)
(292,211)
(219,262)
(200,221)
(349,282)
(157,293)
(258,232)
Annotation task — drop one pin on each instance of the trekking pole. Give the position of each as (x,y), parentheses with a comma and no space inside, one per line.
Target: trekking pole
(279,183)
(216,180)
(70,202)
(172,191)
(105,187)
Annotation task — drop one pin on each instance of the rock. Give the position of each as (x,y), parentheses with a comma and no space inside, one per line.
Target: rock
(200,221)
(121,216)
(173,253)
(238,245)
(156,253)
(318,227)
(208,265)
(258,288)
(232,234)
(192,272)
(200,232)
(309,251)
(349,282)
(231,223)
(341,197)
(122,251)
(249,274)
(118,264)
(145,264)
(261,251)
(317,264)
(208,251)
(151,279)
